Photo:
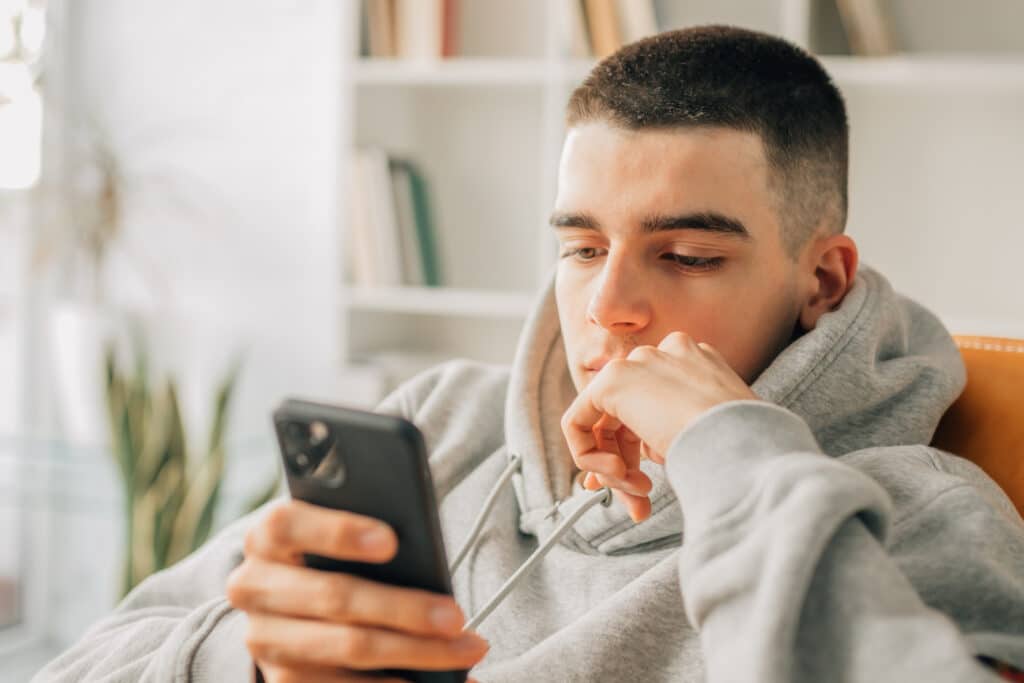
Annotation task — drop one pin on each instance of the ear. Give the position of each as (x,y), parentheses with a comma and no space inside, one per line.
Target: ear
(830,264)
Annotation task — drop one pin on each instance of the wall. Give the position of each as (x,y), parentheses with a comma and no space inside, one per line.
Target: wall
(223,117)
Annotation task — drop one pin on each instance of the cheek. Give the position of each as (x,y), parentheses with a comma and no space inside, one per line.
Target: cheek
(571,304)
(755,333)
(571,299)
(743,325)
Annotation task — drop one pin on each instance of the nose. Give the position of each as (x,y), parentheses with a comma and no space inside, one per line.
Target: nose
(620,303)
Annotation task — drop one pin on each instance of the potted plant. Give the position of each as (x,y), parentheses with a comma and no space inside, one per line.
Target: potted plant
(170,492)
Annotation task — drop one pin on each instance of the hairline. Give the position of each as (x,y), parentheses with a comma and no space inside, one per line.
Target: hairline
(776,169)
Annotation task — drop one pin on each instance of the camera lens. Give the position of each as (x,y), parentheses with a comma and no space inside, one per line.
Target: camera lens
(330,471)
(318,432)
(295,432)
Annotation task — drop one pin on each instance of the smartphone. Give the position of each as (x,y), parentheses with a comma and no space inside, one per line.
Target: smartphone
(373,465)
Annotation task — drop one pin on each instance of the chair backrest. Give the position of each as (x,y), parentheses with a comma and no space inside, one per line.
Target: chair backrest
(986,424)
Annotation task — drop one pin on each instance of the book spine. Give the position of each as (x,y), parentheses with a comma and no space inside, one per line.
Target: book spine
(361,257)
(384,225)
(604,26)
(405,211)
(866,26)
(450,28)
(419,28)
(579,36)
(636,17)
(425,228)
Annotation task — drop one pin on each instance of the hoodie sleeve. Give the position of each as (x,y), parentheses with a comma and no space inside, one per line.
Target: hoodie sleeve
(797,566)
(177,624)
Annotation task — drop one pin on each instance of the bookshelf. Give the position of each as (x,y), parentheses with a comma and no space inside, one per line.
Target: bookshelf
(485,128)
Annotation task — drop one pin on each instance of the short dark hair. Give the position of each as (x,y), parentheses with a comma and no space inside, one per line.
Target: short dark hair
(750,81)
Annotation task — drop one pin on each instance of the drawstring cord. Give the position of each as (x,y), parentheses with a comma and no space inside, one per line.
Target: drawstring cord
(602,496)
(513,466)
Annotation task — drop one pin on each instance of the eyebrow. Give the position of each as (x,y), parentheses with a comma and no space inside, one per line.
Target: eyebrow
(708,221)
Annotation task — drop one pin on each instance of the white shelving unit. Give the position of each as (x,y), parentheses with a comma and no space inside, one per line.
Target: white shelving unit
(486,129)
(439,301)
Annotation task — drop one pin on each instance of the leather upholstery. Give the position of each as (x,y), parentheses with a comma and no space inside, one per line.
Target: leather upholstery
(986,424)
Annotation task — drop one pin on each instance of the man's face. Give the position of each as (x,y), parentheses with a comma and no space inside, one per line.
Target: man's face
(665,230)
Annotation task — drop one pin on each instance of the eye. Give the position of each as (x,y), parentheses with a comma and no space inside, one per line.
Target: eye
(581,253)
(696,262)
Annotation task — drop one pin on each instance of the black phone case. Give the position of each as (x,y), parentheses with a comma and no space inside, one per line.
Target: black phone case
(386,476)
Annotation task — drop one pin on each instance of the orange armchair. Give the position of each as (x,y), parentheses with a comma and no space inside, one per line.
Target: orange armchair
(986,424)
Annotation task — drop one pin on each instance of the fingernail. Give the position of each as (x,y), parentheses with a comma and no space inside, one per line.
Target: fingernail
(470,643)
(445,617)
(376,538)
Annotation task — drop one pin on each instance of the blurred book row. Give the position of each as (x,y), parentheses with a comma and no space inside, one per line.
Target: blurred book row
(391,238)
(428,29)
(409,29)
(600,27)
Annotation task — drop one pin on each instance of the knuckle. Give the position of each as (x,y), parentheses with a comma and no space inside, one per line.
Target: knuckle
(342,532)
(239,590)
(617,365)
(287,676)
(639,353)
(419,615)
(277,524)
(710,349)
(355,645)
(251,543)
(677,340)
(338,598)
(257,646)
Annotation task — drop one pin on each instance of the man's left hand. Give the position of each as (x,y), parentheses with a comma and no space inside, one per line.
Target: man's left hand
(636,406)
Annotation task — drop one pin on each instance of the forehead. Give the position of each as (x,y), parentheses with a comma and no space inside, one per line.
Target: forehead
(625,174)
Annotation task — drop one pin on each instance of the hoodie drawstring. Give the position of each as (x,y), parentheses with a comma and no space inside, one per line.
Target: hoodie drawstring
(514,463)
(603,496)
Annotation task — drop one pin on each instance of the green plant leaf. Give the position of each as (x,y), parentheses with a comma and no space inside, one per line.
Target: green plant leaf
(170,497)
(201,493)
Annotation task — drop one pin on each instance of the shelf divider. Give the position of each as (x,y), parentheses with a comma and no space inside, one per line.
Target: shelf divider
(439,301)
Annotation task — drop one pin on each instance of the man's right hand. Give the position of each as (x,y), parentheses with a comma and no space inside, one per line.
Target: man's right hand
(312,625)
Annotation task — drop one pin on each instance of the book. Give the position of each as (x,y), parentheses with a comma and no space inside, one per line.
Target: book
(637,20)
(384,223)
(424,227)
(408,235)
(579,36)
(380,19)
(361,258)
(419,27)
(390,242)
(450,28)
(867,28)
(375,258)
(605,33)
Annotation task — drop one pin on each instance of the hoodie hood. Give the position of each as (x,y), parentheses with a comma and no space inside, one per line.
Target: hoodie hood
(880,370)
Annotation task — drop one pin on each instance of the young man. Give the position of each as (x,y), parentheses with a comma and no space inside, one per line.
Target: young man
(710,351)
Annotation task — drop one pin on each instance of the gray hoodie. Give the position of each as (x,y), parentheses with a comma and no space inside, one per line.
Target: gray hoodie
(811,536)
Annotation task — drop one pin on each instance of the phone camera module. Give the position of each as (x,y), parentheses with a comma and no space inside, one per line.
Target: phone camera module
(312,454)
